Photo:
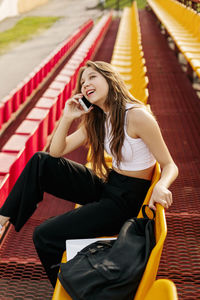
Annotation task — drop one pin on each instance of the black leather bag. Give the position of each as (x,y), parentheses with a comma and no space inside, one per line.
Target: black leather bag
(111,270)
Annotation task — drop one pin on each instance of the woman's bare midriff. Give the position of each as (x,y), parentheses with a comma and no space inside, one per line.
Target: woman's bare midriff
(143,174)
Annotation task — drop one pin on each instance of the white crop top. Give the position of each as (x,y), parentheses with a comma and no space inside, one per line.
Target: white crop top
(135,153)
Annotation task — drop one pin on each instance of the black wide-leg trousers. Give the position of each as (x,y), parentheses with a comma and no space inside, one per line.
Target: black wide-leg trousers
(106,206)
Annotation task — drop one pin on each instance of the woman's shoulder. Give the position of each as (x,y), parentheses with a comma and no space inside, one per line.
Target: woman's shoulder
(141,122)
(139,110)
(141,115)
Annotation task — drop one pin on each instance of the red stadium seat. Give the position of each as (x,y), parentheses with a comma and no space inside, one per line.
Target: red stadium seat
(68,86)
(16,144)
(55,94)
(8,107)
(62,89)
(1,113)
(42,115)
(30,129)
(12,163)
(22,90)
(51,104)
(4,188)
(15,99)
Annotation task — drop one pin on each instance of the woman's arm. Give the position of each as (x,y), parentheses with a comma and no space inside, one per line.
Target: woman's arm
(62,144)
(144,125)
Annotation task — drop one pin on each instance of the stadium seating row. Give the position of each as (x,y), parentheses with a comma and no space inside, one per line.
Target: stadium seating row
(182,24)
(31,135)
(127,55)
(19,96)
(128,60)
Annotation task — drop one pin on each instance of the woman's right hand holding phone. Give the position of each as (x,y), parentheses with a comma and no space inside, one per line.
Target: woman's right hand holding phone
(61,143)
(73,109)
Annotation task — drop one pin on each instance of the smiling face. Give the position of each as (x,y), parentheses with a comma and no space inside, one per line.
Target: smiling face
(94,87)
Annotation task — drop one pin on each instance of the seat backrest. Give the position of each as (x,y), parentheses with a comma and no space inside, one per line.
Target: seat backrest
(196,24)
(151,269)
(59,291)
(163,289)
(155,178)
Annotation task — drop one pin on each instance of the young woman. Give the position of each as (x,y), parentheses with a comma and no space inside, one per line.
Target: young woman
(117,123)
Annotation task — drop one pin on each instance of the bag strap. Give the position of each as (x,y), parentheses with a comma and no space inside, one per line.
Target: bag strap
(144,212)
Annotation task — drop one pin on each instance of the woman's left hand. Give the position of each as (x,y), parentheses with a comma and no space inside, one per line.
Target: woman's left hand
(160,195)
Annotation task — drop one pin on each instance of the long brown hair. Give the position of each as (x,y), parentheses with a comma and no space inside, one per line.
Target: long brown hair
(94,122)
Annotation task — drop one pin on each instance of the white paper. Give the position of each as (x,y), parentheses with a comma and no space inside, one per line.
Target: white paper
(74,246)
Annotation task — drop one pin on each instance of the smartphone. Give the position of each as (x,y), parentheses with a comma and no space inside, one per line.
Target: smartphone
(85,103)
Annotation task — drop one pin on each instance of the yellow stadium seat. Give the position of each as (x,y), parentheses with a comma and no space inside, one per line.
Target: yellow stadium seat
(198,72)
(193,55)
(59,291)
(162,289)
(182,23)
(127,58)
(150,272)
